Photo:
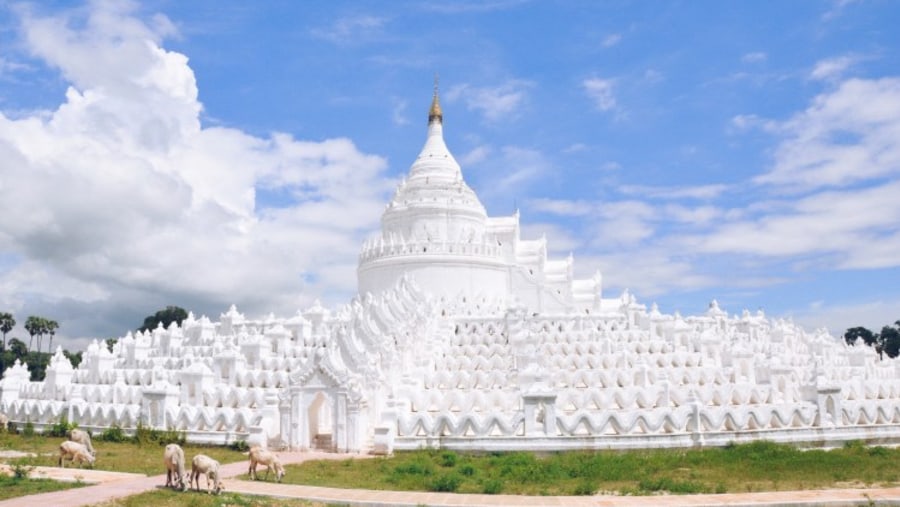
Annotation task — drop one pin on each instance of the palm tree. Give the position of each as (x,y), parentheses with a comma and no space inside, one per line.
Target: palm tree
(52,326)
(7,323)
(33,325)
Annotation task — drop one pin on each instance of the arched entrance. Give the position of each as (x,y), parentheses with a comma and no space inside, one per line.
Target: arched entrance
(318,413)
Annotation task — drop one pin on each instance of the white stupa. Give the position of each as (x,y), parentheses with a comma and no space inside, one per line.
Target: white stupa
(466,336)
(436,231)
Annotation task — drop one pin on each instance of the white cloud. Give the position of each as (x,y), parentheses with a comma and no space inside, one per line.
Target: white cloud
(560,240)
(501,102)
(459,7)
(476,155)
(600,91)
(398,114)
(520,165)
(120,195)
(352,29)
(848,135)
(562,207)
(754,57)
(646,272)
(840,316)
(611,40)
(833,68)
(680,192)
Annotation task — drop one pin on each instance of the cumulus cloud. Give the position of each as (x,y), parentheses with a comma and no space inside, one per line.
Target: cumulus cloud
(121,195)
(600,91)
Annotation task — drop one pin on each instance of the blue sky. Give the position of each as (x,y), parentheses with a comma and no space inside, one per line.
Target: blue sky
(206,153)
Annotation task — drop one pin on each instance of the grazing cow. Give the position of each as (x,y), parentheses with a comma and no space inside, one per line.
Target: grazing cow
(82,437)
(260,456)
(74,452)
(174,461)
(203,464)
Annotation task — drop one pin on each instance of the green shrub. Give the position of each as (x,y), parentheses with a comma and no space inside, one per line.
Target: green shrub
(585,488)
(144,435)
(492,487)
(879,451)
(448,459)
(239,446)
(28,430)
(468,470)
(62,428)
(113,434)
(172,436)
(445,483)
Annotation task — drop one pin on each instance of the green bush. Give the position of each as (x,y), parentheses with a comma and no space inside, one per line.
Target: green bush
(62,428)
(585,488)
(144,435)
(239,446)
(445,483)
(492,487)
(448,459)
(113,434)
(28,430)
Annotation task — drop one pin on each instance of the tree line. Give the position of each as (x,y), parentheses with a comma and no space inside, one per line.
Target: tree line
(885,342)
(16,349)
(41,327)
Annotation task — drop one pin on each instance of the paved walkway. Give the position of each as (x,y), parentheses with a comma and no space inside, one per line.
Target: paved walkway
(112,485)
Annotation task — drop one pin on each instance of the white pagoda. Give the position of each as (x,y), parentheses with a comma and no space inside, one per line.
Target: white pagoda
(466,336)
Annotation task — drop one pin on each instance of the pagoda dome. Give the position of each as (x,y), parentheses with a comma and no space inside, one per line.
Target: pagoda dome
(434,203)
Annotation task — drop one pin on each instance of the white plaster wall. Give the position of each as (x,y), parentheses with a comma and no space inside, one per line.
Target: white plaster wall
(440,276)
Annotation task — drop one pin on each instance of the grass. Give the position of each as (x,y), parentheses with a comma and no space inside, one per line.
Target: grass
(758,466)
(12,487)
(117,456)
(168,498)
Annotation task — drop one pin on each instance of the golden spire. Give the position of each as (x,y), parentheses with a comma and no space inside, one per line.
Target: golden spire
(435,114)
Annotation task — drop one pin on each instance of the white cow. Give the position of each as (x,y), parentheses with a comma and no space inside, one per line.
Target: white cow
(82,437)
(203,464)
(174,461)
(74,452)
(260,456)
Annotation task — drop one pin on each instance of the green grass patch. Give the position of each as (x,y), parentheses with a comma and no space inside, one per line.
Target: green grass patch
(145,457)
(758,466)
(167,498)
(12,487)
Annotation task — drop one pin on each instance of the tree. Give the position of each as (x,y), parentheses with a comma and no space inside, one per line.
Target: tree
(33,325)
(51,327)
(7,323)
(169,315)
(890,339)
(18,348)
(75,358)
(868,337)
